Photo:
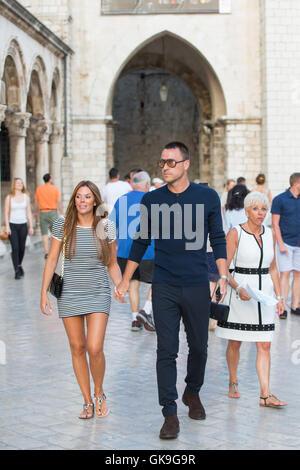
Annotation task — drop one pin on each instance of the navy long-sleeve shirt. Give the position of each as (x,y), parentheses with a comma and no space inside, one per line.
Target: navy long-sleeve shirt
(180,224)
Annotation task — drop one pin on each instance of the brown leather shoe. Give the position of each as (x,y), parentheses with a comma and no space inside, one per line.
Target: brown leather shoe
(170,429)
(196,409)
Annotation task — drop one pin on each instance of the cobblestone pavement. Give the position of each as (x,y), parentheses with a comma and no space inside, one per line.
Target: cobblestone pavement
(40,399)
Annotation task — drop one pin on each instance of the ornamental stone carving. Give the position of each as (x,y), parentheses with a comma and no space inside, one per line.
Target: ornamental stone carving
(17,124)
(42,129)
(57,132)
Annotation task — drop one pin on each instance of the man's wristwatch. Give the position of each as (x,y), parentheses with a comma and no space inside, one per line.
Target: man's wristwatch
(224,277)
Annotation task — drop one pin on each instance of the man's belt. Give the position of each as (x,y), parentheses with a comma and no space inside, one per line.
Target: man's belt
(252,270)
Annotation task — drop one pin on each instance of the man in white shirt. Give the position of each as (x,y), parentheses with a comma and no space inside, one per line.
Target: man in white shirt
(114,189)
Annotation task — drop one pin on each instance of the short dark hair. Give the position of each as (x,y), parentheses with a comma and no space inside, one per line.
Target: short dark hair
(113,173)
(236,196)
(241,180)
(47,177)
(182,147)
(294,178)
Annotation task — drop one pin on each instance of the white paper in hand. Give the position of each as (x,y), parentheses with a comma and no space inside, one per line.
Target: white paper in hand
(259,296)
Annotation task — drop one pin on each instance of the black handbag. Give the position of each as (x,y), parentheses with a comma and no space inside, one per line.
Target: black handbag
(56,285)
(220,312)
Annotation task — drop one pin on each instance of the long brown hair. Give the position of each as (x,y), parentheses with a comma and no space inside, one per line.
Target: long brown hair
(71,221)
(13,187)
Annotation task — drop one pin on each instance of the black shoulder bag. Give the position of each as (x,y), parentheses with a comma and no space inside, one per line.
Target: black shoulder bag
(56,285)
(220,312)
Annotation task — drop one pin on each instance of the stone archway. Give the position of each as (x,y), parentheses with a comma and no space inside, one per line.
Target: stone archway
(167,53)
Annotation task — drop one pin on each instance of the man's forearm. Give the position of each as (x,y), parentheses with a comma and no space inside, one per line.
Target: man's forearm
(222,266)
(278,235)
(129,270)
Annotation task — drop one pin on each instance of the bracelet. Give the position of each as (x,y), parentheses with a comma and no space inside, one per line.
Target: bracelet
(279,298)
(224,277)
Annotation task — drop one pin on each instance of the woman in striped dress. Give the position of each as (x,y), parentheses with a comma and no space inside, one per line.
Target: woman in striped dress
(90,257)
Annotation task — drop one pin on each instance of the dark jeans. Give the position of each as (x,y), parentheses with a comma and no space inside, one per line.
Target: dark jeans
(18,239)
(170,303)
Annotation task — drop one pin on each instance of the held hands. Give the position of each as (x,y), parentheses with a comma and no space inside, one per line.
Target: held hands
(120,291)
(45,305)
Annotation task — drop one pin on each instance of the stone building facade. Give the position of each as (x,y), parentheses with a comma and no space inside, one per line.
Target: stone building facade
(232,80)
(33,62)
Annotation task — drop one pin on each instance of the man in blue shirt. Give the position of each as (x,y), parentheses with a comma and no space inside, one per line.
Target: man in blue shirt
(286,224)
(179,215)
(126,215)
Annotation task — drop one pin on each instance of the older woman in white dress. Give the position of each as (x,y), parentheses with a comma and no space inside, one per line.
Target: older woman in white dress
(251,248)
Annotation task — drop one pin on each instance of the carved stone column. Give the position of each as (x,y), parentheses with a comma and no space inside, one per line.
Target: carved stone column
(17,124)
(2,113)
(42,130)
(56,153)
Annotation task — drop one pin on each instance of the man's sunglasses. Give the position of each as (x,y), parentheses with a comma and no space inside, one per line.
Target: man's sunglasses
(169,161)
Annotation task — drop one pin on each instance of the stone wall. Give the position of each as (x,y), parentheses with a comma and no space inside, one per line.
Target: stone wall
(243,147)
(281,90)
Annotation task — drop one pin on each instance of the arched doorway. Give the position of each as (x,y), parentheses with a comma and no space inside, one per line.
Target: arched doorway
(147,119)
(195,103)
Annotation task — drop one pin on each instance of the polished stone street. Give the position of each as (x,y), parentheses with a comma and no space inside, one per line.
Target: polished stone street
(40,399)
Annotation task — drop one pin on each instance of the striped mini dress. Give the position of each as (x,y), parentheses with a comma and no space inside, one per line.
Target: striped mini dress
(86,287)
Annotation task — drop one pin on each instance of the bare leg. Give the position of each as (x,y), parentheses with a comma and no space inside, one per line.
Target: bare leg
(285,284)
(149,296)
(263,367)
(76,333)
(296,290)
(96,328)
(233,358)
(134,295)
(45,243)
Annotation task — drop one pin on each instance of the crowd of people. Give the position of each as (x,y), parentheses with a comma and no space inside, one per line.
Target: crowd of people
(251,241)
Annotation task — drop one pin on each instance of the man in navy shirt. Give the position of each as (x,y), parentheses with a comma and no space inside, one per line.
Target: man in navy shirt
(286,224)
(179,215)
(126,215)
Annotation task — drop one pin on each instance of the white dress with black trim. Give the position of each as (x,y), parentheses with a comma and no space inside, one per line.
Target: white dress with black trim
(86,286)
(251,320)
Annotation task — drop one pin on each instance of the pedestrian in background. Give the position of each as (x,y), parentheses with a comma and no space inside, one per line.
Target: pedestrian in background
(126,212)
(286,224)
(235,212)
(241,180)
(114,189)
(47,203)
(17,213)
(261,186)
(251,246)
(228,186)
(90,257)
